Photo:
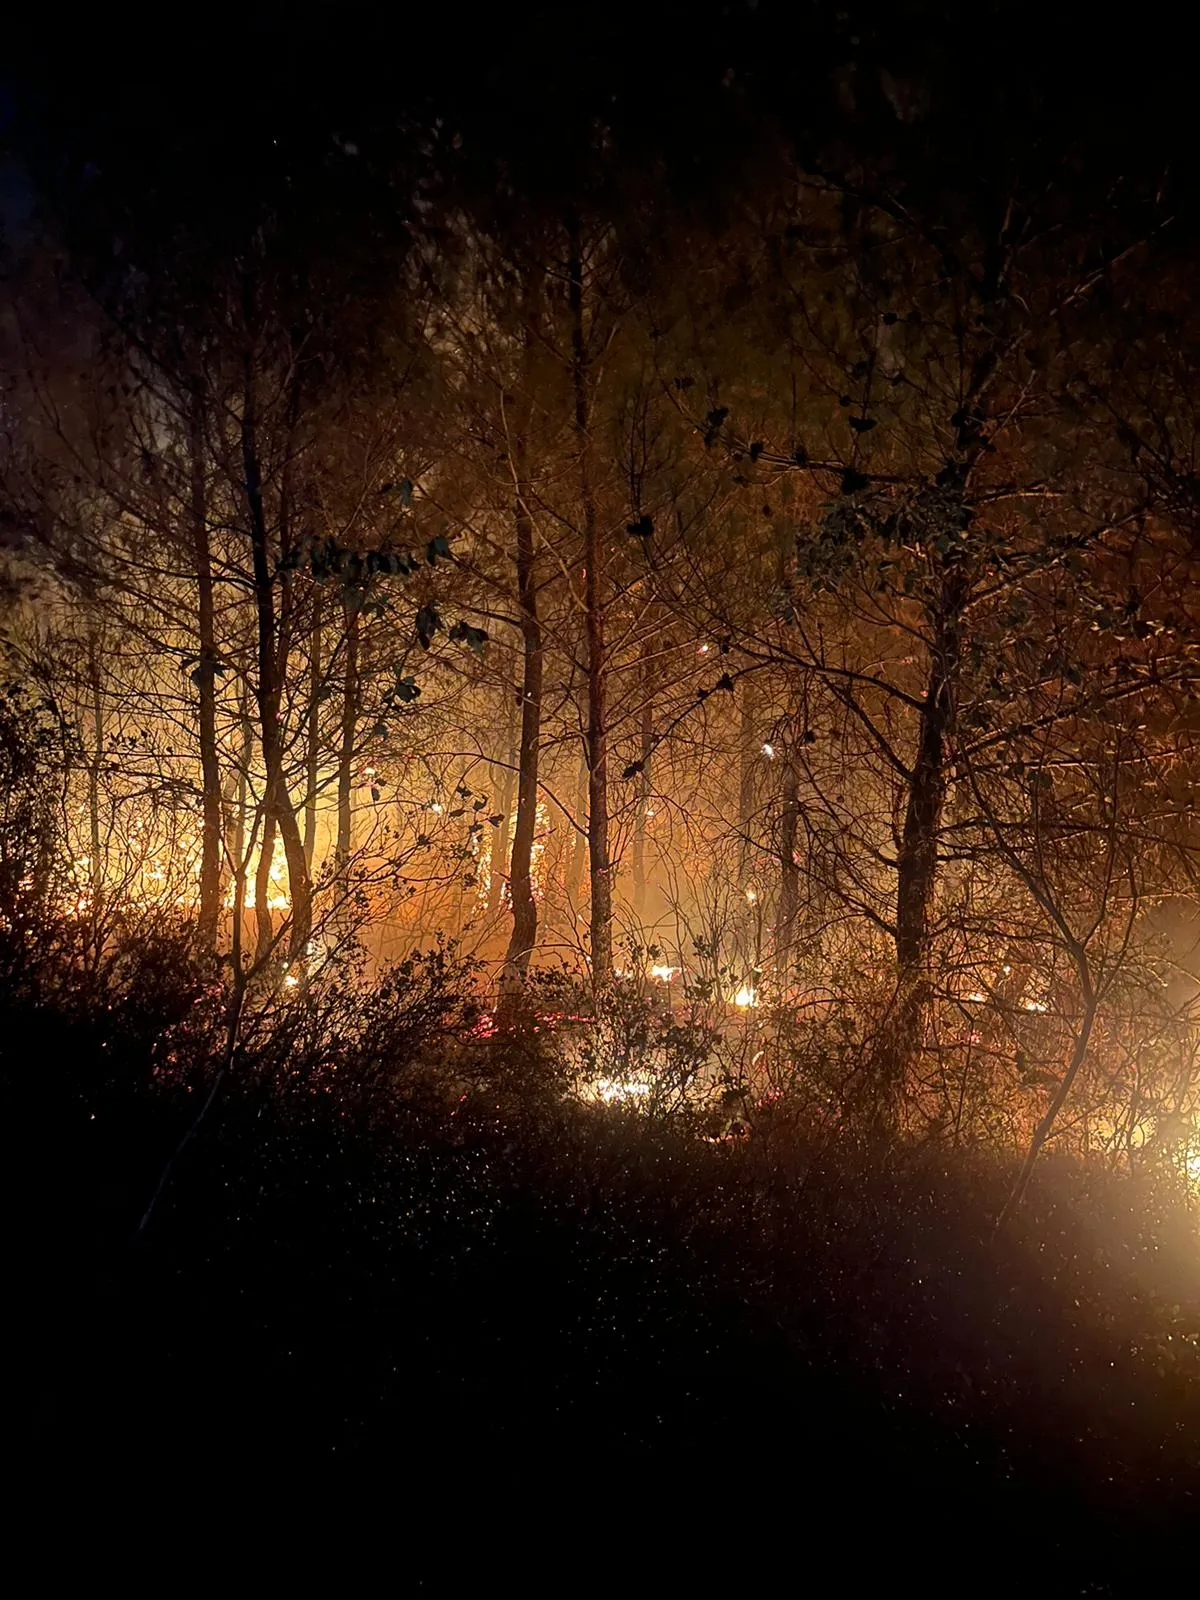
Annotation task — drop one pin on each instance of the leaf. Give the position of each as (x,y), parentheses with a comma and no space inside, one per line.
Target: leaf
(473,638)
(756,449)
(642,528)
(407,690)
(863,424)
(853,481)
(440,546)
(428,623)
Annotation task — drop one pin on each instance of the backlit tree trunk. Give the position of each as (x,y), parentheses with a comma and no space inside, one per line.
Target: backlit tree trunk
(349,730)
(645,754)
(917,859)
(206,681)
(312,762)
(789,871)
(596,735)
(269,687)
(524,906)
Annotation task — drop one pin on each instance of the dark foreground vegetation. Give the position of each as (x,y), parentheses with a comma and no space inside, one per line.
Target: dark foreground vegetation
(507,1303)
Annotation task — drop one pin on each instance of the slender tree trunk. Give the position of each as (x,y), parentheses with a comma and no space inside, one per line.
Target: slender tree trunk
(1059,1099)
(312,764)
(524,906)
(506,800)
(263,918)
(645,755)
(917,859)
(346,743)
(237,828)
(789,872)
(748,753)
(599,862)
(277,800)
(579,843)
(206,683)
(95,767)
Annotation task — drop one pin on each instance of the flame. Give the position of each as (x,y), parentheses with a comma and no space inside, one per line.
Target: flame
(614,1091)
(278,898)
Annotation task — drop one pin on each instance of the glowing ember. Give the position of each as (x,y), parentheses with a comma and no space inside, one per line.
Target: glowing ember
(745,996)
(769,751)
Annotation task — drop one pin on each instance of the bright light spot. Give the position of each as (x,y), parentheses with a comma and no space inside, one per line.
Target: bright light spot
(977,997)
(769,751)
(664,974)
(649,811)
(292,981)
(613,1091)
(278,898)
(437,808)
(704,649)
(752,895)
(1034,1005)
(745,996)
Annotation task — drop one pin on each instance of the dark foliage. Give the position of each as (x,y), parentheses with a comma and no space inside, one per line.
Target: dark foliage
(587,1318)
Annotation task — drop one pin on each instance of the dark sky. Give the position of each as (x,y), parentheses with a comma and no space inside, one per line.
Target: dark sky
(210,114)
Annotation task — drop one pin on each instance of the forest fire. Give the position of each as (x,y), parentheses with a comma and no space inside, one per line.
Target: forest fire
(599,752)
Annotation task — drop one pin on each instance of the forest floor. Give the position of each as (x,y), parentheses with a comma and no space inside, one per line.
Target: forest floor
(615,1339)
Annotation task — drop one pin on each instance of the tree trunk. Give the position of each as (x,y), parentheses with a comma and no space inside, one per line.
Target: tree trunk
(789,872)
(505,801)
(237,824)
(917,859)
(748,755)
(263,920)
(596,740)
(349,731)
(277,801)
(312,764)
(524,906)
(579,843)
(95,767)
(1045,1126)
(645,753)
(206,683)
